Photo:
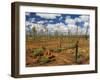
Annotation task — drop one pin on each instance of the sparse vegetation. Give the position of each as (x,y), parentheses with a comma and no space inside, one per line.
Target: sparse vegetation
(38,52)
(56,50)
(65,40)
(67,51)
(44,59)
(80,58)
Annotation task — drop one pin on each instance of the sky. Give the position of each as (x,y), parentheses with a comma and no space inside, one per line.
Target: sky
(57,22)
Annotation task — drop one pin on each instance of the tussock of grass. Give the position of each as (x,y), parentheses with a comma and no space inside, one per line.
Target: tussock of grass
(44,59)
(79,58)
(38,52)
(71,46)
(56,49)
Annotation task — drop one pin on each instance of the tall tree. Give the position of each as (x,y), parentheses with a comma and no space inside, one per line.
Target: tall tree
(46,34)
(69,32)
(77,31)
(34,31)
(56,34)
(87,28)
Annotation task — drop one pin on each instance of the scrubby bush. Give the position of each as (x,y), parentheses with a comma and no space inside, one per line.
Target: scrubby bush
(79,55)
(71,46)
(38,52)
(28,51)
(79,58)
(44,59)
(87,57)
(56,49)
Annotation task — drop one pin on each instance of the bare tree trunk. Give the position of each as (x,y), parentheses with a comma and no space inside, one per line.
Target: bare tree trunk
(76,52)
(87,32)
(60,41)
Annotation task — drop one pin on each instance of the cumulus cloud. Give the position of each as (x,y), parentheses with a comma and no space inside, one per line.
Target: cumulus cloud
(72,28)
(60,18)
(69,20)
(84,17)
(38,27)
(71,23)
(27,23)
(77,30)
(51,21)
(40,22)
(48,16)
(32,20)
(78,19)
(27,13)
(61,27)
(86,24)
(30,25)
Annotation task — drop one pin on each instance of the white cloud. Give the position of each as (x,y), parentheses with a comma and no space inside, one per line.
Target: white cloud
(61,18)
(77,29)
(60,27)
(31,25)
(86,24)
(84,18)
(27,13)
(45,21)
(40,22)
(27,23)
(38,27)
(32,19)
(48,16)
(71,24)
(69,20)
(51,21)
(72,28)
(78,19)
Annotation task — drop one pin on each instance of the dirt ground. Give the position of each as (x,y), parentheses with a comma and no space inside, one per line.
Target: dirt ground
(65,57)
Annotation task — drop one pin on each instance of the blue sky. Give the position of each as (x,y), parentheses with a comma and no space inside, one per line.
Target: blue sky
(66,20)
(58,19)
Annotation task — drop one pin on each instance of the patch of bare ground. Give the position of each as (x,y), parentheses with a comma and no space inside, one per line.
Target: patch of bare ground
(64,57)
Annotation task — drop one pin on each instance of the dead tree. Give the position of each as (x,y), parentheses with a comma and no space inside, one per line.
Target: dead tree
(46,35)
(77,31)
(69,32)
(76,45)
(76,52)
(56,36)
(87,32)
(34,33)
(60,41)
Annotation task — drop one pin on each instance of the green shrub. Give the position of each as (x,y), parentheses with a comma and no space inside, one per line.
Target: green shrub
(79,58)
(44,59)
(71,46)
(87,57)
(38,52)
(28,50)
(79,55)
(56,50)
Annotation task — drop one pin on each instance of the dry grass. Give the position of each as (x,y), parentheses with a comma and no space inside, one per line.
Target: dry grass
(65,57)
